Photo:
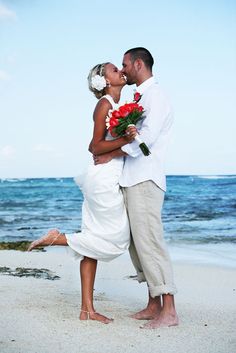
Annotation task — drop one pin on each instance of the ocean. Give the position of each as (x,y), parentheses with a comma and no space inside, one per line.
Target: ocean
(199,213)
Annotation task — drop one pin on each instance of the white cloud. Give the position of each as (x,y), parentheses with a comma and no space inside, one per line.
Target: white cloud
(42,147)
(7,152)
(6,13)
(4,76)
(52,152)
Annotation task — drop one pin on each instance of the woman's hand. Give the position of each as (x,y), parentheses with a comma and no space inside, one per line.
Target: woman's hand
(131,132)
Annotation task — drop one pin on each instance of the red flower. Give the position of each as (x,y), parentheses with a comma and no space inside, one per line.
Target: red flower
(123,111)
(115,114)
(137,96)
(140,108)
(114,122)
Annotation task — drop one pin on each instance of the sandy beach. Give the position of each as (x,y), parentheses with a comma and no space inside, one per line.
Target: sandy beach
(40,315)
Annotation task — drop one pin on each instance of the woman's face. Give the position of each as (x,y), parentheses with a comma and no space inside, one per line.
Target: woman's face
(114,76)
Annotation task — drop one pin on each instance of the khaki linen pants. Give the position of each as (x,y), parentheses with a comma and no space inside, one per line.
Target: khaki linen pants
(148,250)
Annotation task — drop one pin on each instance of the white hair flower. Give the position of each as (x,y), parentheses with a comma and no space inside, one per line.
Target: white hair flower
(98,82)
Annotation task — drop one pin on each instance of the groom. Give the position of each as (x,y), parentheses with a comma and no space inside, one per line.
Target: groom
(143,184)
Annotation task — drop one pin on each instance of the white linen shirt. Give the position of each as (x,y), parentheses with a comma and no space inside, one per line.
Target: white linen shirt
(154,130)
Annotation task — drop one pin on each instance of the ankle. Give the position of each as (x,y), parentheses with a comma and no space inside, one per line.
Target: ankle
(88,312)
(169,311)
(87,309)
(154,304)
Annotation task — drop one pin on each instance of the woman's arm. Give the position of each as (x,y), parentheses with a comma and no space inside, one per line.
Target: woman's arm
(99,145)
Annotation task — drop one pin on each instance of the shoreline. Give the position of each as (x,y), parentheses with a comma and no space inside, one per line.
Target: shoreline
(218,254)
(41,316)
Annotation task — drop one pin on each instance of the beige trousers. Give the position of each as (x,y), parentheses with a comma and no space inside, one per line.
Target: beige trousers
(148,250)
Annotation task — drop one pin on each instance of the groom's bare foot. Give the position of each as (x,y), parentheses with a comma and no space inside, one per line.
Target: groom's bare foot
(46,240)
(85,315)
(146,314)
(152,310)
(165,319)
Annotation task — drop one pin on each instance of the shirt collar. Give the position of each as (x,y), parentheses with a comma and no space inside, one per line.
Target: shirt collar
(141,88)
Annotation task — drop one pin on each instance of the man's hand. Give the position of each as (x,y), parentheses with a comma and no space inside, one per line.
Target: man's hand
(103,158)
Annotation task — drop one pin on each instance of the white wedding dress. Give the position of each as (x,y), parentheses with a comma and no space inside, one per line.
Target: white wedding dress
(105,232)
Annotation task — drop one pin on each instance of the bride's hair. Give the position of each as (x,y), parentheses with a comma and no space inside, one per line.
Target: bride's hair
(100,71)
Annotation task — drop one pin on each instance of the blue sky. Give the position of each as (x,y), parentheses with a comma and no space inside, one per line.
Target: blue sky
(48,47)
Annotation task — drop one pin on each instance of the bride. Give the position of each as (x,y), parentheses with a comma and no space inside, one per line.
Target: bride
(105,229)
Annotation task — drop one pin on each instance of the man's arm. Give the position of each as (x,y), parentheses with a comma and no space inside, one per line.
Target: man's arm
(107,157)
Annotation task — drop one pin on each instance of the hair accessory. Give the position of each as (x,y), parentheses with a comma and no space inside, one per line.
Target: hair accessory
(98,82)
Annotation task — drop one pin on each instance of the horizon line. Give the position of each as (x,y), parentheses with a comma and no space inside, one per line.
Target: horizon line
(72,177)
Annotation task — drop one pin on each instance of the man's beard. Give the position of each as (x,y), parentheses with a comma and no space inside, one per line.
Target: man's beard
(130,82)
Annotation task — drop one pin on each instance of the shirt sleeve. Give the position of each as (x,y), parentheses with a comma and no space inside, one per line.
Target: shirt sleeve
(158,119)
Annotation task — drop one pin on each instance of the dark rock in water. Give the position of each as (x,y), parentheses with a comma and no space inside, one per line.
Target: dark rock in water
(134,277)
(5,270)
(43,273)
(17,245)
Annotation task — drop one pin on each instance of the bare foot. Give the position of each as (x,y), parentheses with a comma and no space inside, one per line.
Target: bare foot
(85,315)
(46,240)
(149,313)
(163,320)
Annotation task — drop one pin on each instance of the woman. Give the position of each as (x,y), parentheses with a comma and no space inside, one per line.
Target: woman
(105,229)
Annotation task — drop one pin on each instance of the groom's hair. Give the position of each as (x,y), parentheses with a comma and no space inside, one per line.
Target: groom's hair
(143,54)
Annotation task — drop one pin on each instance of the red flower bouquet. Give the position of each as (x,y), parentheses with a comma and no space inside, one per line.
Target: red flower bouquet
(127,115)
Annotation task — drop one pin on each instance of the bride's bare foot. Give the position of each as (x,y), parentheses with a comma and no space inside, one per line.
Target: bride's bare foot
(48,239)
(92,315)
(165,319)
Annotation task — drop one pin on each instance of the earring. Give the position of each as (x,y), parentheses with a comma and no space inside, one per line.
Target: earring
(108,84)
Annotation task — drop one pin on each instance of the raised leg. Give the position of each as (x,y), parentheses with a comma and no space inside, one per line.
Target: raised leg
(88,269)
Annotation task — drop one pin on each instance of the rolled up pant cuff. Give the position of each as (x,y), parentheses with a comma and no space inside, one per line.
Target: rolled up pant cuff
(156,291)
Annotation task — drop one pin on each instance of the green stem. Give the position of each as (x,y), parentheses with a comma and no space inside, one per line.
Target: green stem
(144,148)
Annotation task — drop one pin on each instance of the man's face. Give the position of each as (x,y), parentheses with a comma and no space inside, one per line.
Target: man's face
(129,69)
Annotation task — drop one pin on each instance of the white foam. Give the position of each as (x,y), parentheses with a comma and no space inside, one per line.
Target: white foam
(216,176)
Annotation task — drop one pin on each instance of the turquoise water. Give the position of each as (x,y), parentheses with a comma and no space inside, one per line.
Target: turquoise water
(199,212)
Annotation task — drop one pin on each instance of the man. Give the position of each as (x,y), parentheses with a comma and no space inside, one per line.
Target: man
(143,184)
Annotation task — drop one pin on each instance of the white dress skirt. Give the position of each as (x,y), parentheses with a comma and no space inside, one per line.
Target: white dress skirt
(105,232)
